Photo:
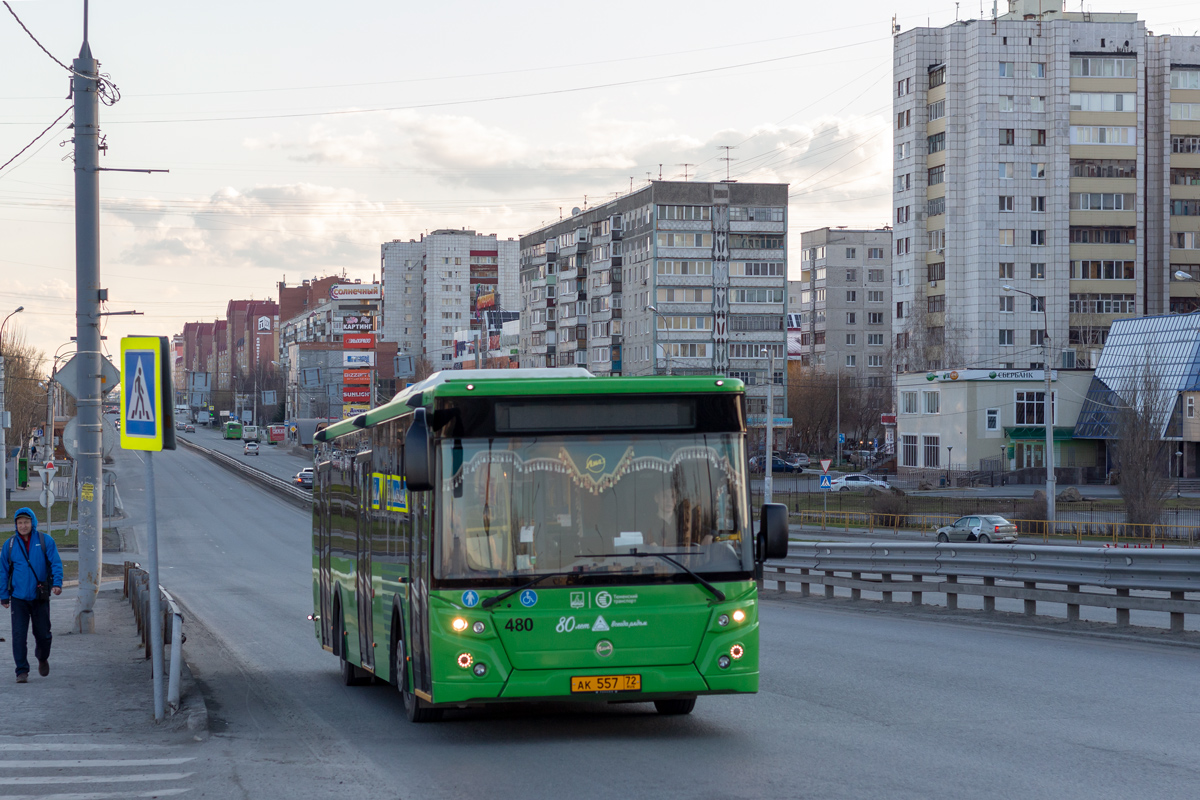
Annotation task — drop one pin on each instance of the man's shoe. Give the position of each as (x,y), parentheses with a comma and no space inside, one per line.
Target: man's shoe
(22,677)
(43,668)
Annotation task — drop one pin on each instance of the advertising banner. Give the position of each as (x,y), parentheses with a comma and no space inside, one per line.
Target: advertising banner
(353,409)
(359,340)
(358,360)
(356,291)
(356,376)
(356,394)
(358,323)
(277,433)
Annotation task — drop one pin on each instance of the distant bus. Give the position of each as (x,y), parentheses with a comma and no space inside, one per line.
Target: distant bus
(233,430)
(537,534)
(250,433)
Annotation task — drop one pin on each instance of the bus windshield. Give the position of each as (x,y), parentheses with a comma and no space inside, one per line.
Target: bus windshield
(520,507)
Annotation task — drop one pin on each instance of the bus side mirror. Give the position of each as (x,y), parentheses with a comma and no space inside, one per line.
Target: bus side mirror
(773,532)
(418,454)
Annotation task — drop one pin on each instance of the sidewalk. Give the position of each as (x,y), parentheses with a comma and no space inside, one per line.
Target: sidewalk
(98,683)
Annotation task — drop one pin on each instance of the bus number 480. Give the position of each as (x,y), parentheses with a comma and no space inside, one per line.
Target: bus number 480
(519,624)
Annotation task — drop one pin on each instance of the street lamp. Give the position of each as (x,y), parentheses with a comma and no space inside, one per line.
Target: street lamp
(666,337)
(1178,470)
(769,459)
(1048,413)
(949,462)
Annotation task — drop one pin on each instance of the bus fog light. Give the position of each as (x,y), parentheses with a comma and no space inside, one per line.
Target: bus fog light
(480,670)
(464,660)
(478,627)
(723,620)
(739,615)
(723,662)
(459,624)
(737,651)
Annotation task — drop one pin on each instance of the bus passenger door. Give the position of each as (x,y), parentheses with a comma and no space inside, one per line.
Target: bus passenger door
(321,509)
(364,584)
(418,573)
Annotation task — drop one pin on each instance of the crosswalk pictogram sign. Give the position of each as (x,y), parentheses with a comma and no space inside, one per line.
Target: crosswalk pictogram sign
(141,393)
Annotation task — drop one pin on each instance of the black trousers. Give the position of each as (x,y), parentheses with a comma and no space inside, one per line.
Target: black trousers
(24,612)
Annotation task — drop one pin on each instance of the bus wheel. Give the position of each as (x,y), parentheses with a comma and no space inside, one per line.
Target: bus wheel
(348,672)
(416,709)
(673,707)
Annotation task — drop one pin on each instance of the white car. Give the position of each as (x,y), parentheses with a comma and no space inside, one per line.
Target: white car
(250,449)
(858,481)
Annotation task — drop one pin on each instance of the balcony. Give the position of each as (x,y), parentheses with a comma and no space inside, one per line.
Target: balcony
(616,313)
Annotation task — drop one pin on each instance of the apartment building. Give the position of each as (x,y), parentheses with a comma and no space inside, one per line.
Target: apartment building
(679,277)
(839,312)
(446,281)
(1053,153)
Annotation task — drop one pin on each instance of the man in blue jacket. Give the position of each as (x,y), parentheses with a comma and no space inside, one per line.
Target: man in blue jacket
(26,560)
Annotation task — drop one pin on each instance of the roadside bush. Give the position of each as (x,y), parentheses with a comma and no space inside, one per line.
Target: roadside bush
(889,509)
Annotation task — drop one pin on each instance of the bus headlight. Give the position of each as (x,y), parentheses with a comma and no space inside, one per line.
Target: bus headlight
(723,620)
(737,651)
(723,662)
(739,615)
(464,660)
(459,624)
(480,670)
(478,627)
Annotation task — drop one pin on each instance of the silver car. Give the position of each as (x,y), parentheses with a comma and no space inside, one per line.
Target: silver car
(981,528)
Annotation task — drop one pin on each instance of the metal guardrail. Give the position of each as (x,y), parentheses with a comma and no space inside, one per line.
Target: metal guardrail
(1011,571)
(926,524)
(278,485)
(137,589)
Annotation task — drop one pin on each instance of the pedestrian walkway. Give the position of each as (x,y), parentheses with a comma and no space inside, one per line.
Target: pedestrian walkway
(73,767)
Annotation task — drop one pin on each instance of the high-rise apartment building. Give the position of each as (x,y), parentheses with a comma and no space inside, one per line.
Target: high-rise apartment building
(680,277)
(444,282)
(841,318)
(1054,153)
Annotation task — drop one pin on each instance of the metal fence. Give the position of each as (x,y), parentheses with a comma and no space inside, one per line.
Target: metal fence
(1104,577)
(137,589)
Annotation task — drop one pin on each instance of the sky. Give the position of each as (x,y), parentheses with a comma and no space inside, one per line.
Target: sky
(299,136)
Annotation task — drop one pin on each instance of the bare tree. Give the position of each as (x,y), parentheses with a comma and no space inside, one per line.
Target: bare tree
(812,402)
(1143,456)
(422,368)
(24,388)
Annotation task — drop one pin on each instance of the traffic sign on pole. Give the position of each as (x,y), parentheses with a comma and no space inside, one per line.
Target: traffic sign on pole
(826,482)
(147,401)
(825,462)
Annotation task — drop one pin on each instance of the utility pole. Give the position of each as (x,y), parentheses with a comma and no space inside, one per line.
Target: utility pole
(1049,412)
(4,487)
(769,458)
(839,417)
(85,92)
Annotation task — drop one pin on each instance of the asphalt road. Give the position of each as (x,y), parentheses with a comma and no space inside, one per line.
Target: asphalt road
(853,705)
(279,460)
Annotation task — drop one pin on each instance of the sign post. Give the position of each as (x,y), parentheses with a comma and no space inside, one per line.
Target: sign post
(826,487)
(147,407)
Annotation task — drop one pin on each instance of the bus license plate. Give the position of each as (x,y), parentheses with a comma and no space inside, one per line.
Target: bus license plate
(607,683)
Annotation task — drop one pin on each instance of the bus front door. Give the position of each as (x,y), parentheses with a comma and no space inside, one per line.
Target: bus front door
(363,583)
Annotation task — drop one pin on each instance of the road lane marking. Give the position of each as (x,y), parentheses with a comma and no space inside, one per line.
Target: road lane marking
(98,795)
(38,780)
(44,746)
(94,762)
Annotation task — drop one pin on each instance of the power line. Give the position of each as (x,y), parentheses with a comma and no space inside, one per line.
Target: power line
(39,136)
(107,91)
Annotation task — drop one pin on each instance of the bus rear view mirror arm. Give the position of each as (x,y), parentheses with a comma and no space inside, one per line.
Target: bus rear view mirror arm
(773,532)
(419,454)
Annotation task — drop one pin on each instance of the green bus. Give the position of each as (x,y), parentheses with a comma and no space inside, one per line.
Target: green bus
(544,534)
(232,430)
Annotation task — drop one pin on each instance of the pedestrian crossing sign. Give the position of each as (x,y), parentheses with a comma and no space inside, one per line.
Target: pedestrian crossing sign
(146,409)
(826,482)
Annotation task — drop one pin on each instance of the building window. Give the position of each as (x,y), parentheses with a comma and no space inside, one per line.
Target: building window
(875,275)
(902,246)
(1185,78)
(1006,270)
(1006,337)
(1037,337)
(874,361)
(851,318)
(850,338)
(1006,103)
(1037,170)
(1037,104)
(933,449)
(1103,134)
(936,110)
(1037,271)
(933,404)
(1005,170)
(936,303)
(937,175)
(1191,407)
(1037,204)
(903,119)
(875,318)
(935,206)
(875,297)
(1095,67)
(1007,304)
(875,340)
(1030,408)
(908,450)
(937,142)
(1008,137)
(1037,238)
(1006,203)
(1006,69)
(903,182)
(851,296)
(1037,138)
(901,216)
(850,360)
(851,276)
(993,419)
(874,253)
(937,77)
(1104,168)
(936,272)
(1007,237)
(903,87)
(1102,270)
(1037,70)
(1101,201)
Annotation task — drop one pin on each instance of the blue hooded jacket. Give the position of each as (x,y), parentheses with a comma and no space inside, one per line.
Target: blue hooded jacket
(23,582)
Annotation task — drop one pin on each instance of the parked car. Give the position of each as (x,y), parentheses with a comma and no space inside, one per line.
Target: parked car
(189,429)
(858,481)
(304,478)
(778,464)
(250,449)
(983,528)
(802,459)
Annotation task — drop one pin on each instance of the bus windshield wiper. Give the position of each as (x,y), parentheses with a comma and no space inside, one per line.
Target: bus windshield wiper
(491,601)
(717,593)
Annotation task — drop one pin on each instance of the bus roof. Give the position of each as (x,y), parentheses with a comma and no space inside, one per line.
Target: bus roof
(531,382)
